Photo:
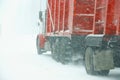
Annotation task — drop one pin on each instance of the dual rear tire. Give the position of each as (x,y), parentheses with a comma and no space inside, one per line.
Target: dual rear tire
(62,50)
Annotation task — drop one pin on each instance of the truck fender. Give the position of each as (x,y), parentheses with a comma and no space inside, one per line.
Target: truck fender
(94,40)
(42,40)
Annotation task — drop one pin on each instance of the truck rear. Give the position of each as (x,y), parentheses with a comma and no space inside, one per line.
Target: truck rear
(82,29)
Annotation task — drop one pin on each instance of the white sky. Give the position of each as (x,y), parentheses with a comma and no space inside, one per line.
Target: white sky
(20,16)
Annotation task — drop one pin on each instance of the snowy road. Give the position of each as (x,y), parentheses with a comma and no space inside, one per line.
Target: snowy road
(19,61)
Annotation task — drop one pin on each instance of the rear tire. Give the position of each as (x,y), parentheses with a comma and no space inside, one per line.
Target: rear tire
(62,50)
(103,72)
(55,50)
(89,60)
(65,51)
(89,63)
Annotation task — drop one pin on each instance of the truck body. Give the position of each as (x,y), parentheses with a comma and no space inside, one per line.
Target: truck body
(82,29)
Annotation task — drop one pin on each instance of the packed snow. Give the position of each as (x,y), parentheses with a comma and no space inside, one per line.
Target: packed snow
(18,55)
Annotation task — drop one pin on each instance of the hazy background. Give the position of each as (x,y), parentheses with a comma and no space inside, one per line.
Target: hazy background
(20,16)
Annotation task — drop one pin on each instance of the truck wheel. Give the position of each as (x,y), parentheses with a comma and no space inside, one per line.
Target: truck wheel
(103,72)
(55,50)
(89,63)
(89,60)
(65,51)
(39,51)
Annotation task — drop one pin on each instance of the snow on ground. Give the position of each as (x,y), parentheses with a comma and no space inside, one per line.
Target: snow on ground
(19,61)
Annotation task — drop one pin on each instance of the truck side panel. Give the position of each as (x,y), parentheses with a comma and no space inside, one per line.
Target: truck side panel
(57,16)
(82,17)
(113,17)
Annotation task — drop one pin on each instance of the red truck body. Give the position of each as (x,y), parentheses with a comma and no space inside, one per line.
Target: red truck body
(82,17)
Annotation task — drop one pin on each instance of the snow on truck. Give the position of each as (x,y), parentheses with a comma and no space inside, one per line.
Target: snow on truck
(87,29)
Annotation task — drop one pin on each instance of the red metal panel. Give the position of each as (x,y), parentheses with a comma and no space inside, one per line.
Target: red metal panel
(107,17)
(49,24)
(52,14)
(66,15)
(57,16)
(110,26)
(100,16)
(61,15)
(82,17)
(117,16)
(70,16)
(54,11)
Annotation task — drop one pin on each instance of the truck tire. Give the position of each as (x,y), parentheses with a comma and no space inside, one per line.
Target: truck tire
(55,50)
(89,60)
(103,72)
(65,51)
(39,50)
(89,63)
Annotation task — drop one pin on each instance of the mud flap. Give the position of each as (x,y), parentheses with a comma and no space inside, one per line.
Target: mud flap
(103,60)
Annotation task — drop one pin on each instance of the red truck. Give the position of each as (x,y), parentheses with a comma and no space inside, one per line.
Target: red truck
(82,29)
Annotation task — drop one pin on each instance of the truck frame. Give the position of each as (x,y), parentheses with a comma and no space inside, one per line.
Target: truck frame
(82,29)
